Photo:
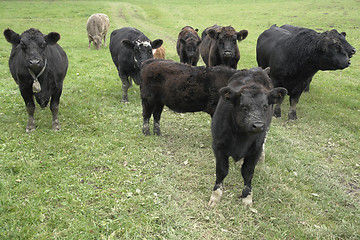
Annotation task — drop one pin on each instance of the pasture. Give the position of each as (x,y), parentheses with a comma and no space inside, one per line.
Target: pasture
(101,178)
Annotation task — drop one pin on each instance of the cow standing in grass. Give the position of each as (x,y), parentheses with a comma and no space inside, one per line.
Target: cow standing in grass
(219,46)
(295,58)
(129,48)
(181,87)
(240,124)
(350,50)
(187,45)
(38,65)
(97,27)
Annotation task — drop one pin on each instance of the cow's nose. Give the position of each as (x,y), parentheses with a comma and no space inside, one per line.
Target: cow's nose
(227,53)
(353,51)
(34,62)
(258,126)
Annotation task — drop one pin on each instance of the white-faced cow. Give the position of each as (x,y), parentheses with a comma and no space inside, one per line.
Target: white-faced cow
(187,45)
(295,58)
(38,65)
(129,48)
(97,26)
(219,46)
(239,126)
(350,50)
(181,87)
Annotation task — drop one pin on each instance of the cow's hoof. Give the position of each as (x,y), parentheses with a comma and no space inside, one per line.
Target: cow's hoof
(29,129)
(56,125)
(125,100)
(146,129)
(277,113)
(247,201)
(215,197)
(292,116)
(157,129)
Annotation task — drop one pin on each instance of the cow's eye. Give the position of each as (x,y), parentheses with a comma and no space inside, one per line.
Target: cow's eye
(234,41)
(265,108)
(23,45)
(43,45)
(244,108)
(221,41)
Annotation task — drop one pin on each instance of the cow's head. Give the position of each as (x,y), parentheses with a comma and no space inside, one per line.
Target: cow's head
(142,50)
(350,50)
(226,40)
(33,45)
(332,55)
(252,101)
(96,41)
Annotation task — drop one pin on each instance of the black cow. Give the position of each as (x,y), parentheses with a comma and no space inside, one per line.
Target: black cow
(38,65)
(295,58)
(219,46)
(239,125)
(187,45)
(181,87)
(129,48)
(350,50)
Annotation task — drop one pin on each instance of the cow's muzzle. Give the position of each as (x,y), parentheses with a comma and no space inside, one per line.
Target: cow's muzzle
(227,54)
(257,127)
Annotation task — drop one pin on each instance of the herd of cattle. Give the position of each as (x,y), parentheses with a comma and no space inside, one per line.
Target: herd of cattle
(240,102)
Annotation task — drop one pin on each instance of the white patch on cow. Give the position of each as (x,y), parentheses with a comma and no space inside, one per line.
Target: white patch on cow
(144,43)
(248,200)
(135,59)
(154,51)
(215,197)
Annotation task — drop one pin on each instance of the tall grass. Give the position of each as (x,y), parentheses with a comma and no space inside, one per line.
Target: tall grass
(100,178)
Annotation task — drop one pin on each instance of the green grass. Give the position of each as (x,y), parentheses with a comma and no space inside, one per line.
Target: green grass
(100,178)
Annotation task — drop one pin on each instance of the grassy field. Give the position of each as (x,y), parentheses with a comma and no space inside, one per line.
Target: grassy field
(100,178)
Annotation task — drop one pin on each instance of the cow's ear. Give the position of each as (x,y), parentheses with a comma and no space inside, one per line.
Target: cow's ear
(182,41)
(127,43)
(198,43)
(343,33)
(156,43)
(52,38)
(212,33)
(267,71)
(242,35)
(228,94)
(277,95)
(196,30)
(11,36)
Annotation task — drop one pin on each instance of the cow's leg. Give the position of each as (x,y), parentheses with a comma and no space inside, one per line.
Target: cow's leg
(247,171)
(54,107)
(277,110)
(157,115)
(222,169)
(126,84)
(28,97)
(147,111)
(105,40)
(292,110)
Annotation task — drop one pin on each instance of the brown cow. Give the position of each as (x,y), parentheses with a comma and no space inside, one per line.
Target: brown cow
(97,27)
(187,45)
(159,52)
(219,46)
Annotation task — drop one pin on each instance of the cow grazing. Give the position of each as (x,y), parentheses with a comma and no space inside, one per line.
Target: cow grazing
(295,58)
(97,27)
(350,50)
(38,65)
(187,45)
(219,46)
(239,126)
(181,87)
(129,48)
(159,52)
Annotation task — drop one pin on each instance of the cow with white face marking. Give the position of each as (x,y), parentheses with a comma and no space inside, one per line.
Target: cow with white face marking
(239,126)
(129,48)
